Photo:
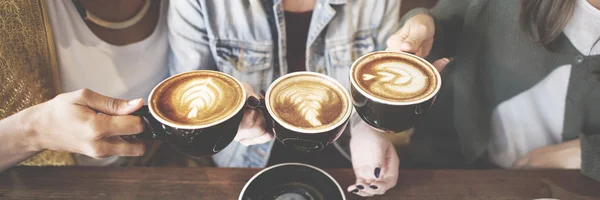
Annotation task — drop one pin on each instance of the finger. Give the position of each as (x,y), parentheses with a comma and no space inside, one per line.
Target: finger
(252,125)
(416,36)
(108,105)
(264,138)
(352,189)
(361,184)
(117,147)
(355,189)
(521,163)
(118,125)
(251,96)
(378,187)
(441,64)
(389,176)
(394,42)
(426,48)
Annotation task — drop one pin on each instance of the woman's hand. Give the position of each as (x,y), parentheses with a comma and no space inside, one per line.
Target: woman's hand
(416,36)
(252,129)
(566,155)
(374,160)
(84,122)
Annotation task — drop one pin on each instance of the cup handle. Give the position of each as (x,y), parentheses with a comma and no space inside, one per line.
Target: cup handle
(268,119)
(150,123)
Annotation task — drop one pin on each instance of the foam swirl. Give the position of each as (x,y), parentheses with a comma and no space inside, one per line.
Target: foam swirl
(200,96)
(307,102)
(197,98)
(399,80)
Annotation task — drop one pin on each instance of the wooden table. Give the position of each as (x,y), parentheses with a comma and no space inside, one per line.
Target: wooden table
(215,183)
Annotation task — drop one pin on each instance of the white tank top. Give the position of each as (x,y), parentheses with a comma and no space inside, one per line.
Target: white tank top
(86,61)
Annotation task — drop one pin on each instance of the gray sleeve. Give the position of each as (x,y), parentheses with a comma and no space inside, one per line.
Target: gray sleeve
(590,156)
(188,38)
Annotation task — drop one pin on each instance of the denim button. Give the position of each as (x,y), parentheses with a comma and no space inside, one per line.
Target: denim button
(579,59)
(320,71)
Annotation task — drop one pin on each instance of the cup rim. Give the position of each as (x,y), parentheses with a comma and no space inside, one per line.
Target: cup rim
(379,100)
(296,164)
(290,127)
(182,126)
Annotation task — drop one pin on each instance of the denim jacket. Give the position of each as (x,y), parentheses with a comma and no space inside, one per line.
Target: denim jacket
(247,39)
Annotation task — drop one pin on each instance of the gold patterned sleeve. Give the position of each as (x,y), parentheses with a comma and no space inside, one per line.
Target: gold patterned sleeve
(28,66)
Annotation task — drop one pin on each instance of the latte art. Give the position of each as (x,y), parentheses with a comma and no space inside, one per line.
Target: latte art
(394,77)
(396,80)
(201,96)
(308,102)
(197,98)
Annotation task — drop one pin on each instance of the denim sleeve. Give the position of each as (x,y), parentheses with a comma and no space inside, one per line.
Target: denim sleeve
(188,37)
(389,25)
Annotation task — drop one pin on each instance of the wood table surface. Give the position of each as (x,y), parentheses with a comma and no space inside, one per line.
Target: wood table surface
(220,183)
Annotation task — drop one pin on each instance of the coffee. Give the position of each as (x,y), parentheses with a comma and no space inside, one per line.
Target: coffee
(198,98)
(308,101)
(395,77)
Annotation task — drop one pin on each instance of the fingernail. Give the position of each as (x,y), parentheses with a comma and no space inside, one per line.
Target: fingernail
(377,171)
(360,187)
(134,102)
(355,191)
(253,102)
(373,187)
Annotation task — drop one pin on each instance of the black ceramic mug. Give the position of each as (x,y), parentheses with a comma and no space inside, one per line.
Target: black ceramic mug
(196,113)
(306,111)
(292,181)
(392,91)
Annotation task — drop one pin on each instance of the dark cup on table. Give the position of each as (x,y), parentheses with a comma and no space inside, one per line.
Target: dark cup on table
(196,113)
(306,111)
(392,91)
(292,181)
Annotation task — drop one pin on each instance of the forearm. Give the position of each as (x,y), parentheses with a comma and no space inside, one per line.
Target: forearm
(16,140)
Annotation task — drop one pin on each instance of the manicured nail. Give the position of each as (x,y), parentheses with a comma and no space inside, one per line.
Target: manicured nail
(373,187)
(355,191)
(360,187)
(253,102)
(263,93)
(377,171)
(134,102)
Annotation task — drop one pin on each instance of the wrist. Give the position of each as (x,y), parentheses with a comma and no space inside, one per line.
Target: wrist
(27,131)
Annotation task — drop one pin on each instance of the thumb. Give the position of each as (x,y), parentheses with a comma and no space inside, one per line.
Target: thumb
(413,38)
(108,105)
(441,64)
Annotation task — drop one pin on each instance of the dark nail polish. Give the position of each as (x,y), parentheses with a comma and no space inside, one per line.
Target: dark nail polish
(253,102)
(263,93)
(373,187)
(360,187)
(355,191)
(377,171)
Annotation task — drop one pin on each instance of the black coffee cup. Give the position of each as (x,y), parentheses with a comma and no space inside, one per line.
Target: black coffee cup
(292,181)
(388,115)
(191,140)
(302,139)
